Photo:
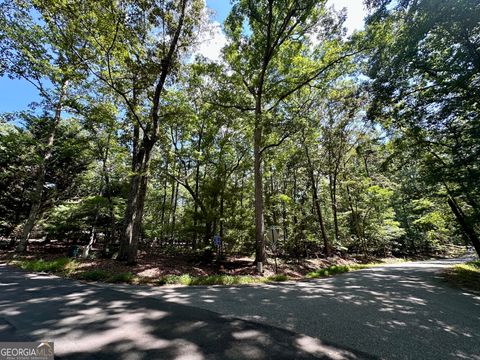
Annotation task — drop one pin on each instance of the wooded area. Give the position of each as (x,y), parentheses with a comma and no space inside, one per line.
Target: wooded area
(341,144)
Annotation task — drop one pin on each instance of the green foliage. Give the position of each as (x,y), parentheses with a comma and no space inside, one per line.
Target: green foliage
(189,280)
(186,279)
(73,219)
(360,140)
(17,157)
(21,147)
(423,66)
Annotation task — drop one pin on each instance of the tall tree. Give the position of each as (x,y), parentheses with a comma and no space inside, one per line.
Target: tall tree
(30,51)
(425,71)
(135,47)
(271,54)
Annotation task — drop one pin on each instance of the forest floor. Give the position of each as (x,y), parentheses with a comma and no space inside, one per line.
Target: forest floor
(158,268)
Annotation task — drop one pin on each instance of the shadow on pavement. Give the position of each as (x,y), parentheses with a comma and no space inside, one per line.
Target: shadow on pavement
(92,322)
(395,312)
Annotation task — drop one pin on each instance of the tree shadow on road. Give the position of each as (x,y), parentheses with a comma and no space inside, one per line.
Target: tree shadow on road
(398,312)
(92,322)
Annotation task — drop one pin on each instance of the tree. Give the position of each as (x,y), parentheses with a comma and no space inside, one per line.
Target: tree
(270,53)
(425,71)
(115,42)
(30,51)
(137,145)
(17,159)
(70,156)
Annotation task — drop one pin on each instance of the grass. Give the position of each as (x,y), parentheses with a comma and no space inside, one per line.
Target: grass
(189,280)
(339,269)
(125,277)
(60,265)
(465,275)
(66,266)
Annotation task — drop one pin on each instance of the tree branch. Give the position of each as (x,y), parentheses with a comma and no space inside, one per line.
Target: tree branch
(231,106)
(313,77)
(284,137)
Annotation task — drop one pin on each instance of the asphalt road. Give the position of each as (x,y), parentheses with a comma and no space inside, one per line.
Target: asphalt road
(393,312)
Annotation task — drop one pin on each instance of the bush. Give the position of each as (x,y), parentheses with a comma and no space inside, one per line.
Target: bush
(223,280)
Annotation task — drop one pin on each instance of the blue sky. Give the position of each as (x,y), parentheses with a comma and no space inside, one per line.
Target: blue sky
(16,94)
(221,8)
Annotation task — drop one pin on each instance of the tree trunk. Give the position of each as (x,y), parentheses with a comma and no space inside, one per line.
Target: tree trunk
(316,202)
(272,194)
(164,202)
(135,204)
(208,234)
(258,178)
(141,158)
(333,197)
(197,187)
(88,247)
(174,212)
(467,228)
(284,214)
(41,173)
(294,196)
(355,217)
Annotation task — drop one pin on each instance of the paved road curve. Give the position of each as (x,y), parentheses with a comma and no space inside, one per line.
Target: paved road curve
(400,311)
(393,312)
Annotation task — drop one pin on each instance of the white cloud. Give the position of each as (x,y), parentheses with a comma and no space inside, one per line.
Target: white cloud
(356,13)
(212,41)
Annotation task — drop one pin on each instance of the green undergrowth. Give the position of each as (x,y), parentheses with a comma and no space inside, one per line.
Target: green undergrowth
(336,269)
(187,279)
(69,267)
(60,265)
(340,269)
(465,275)
(106,276)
